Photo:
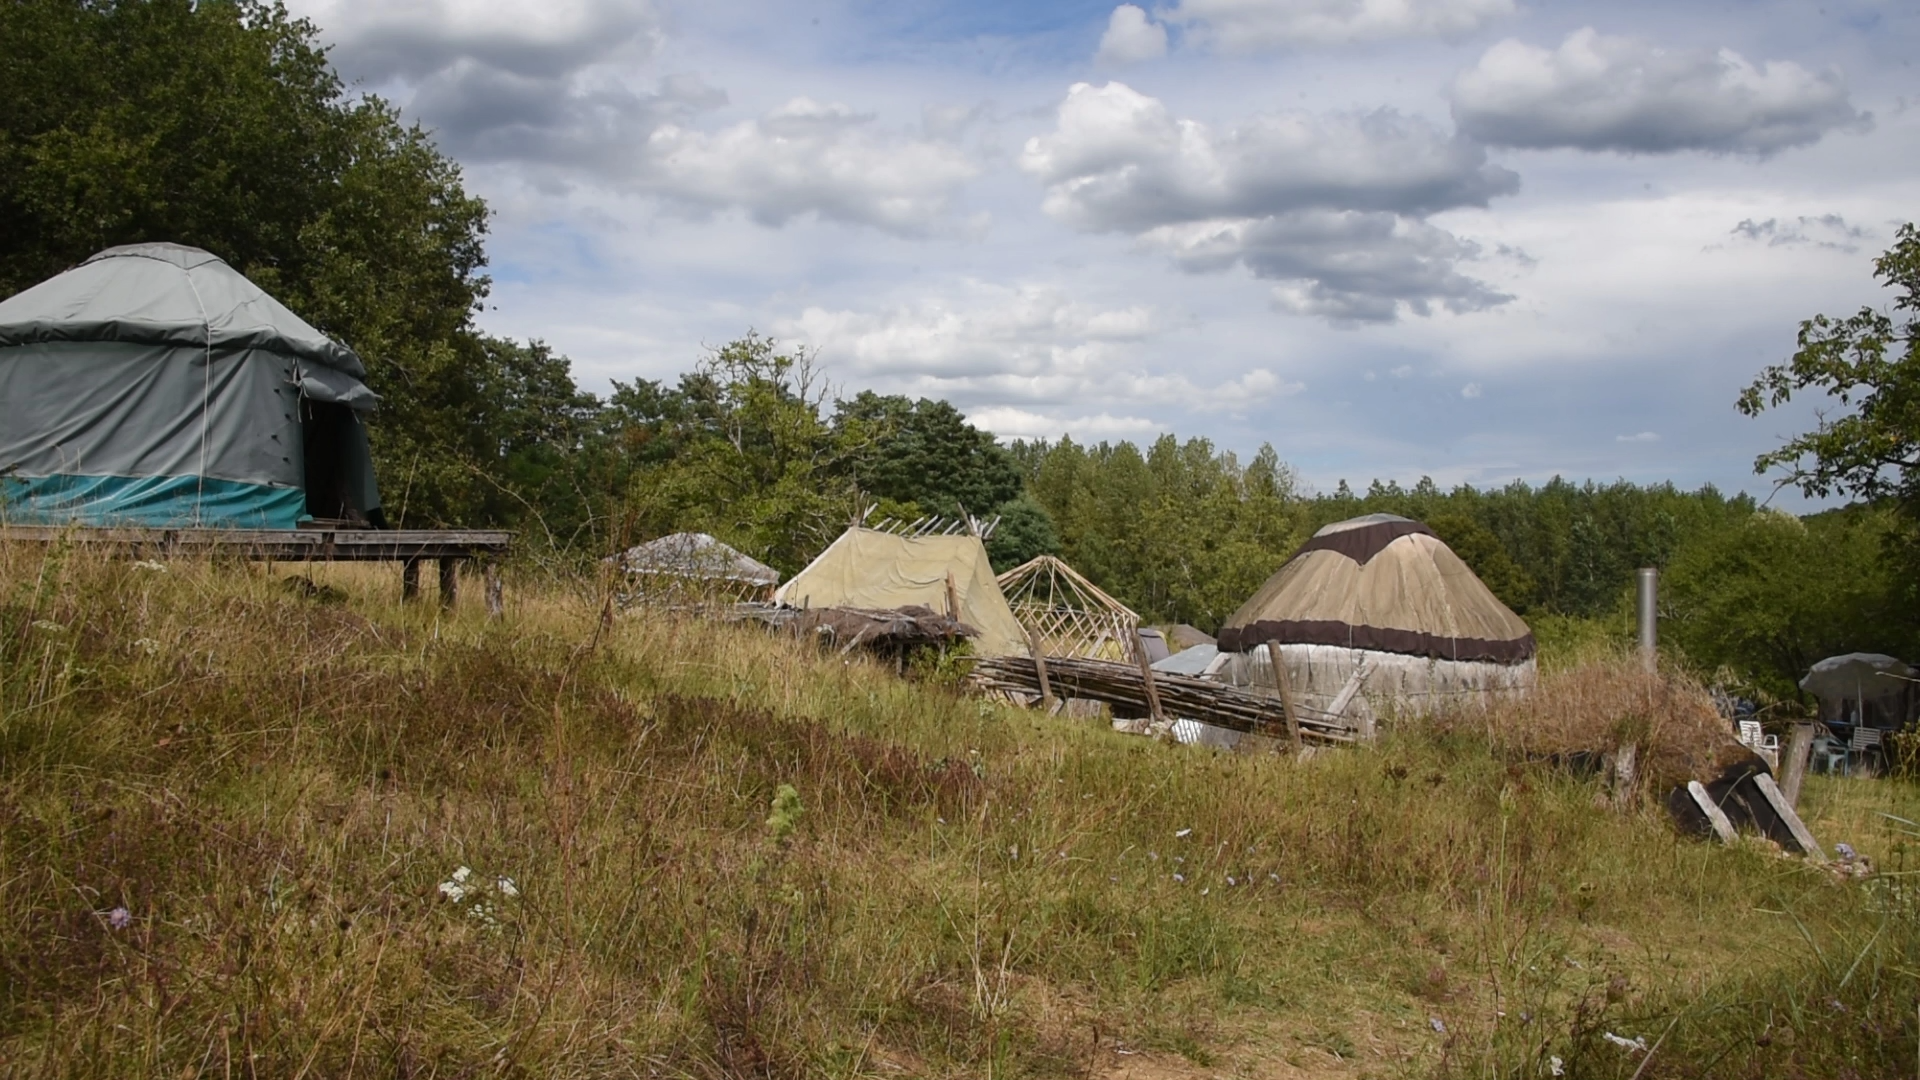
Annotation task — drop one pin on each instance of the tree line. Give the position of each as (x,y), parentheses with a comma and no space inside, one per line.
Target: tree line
(221,124)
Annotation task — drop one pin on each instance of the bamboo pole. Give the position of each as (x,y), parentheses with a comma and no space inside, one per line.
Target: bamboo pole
(1285,686)
(1146,677)
(1040,669)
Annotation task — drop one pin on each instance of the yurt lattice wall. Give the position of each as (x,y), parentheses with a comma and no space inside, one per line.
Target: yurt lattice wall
(1070,615)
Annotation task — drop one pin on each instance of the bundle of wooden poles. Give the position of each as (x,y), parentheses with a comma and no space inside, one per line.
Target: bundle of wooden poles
(1178,696)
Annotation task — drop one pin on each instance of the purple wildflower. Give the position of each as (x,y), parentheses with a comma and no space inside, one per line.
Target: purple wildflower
(119,918)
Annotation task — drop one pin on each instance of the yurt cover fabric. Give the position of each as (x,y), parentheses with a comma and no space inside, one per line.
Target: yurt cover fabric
(1383,583)
(154,385)
(866,568)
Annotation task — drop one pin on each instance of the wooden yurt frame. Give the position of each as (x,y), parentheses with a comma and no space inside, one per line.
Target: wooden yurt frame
(1067,614)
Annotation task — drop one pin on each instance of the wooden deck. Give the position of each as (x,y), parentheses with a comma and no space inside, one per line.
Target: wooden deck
(409,547)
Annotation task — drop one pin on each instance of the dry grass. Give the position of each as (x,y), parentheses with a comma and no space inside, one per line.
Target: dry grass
(1607,702)
(270,786)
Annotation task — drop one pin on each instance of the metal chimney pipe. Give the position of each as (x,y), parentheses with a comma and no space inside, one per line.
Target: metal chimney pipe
(1648,606)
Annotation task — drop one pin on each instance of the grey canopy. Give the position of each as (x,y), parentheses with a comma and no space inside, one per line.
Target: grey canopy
(154,384)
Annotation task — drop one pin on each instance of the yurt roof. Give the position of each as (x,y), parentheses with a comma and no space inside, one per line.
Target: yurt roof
(697,555)
(874,570)
(166,294)
(1384,583)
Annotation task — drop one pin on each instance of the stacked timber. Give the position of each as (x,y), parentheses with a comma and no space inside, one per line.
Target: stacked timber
(1180,695)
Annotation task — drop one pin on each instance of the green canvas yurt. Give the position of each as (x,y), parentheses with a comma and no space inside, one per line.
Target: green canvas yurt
(154,385)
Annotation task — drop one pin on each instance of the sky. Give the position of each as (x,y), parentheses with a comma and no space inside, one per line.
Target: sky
(1477,240)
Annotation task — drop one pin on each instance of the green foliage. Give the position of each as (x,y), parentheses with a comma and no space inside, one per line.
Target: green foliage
(786,814)
(1182,533)
(924,452)
(1871,363)
(1767,599)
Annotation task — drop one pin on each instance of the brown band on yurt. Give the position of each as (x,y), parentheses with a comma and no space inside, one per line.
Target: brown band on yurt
(1378,638)
(1363,543)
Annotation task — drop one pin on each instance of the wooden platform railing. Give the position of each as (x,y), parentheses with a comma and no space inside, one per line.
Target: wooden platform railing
(408,547)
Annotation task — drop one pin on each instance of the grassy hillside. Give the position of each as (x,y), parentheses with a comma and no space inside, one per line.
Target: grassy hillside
(234,817)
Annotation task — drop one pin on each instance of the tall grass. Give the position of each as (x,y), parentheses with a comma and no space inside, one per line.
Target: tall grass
(232,815)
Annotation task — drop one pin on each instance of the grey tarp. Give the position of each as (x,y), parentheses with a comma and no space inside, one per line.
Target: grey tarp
(153,384)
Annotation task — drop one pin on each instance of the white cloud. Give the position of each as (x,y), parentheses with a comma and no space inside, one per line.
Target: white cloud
(1250,25)
(1118,159)
(1470,391)
(1615,93)
(413,39)
(990,346)
(806,157)
(1823,230)
(1642,437)
(1343,266)
(1011,423)
(1330,205)
(1131,37)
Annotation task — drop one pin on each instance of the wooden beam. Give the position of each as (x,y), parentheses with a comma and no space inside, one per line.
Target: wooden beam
(1801,835)
(1344,699)
(496,592)
(1794,769)
(1040,668)
(1716,817)
(1285,685)
(409,580)
(1146,677)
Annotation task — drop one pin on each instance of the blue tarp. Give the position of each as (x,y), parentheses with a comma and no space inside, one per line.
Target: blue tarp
(177,502)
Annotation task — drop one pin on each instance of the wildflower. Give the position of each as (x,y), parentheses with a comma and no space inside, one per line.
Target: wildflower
(47,626)
(1637,1044)
(119,918)
(147,645)
(1556,1067)
(1439,1026)
(1180,879)
(1847,854)
(1183,834)
(456,888)
(507,888)
(1230,881)
(151,566)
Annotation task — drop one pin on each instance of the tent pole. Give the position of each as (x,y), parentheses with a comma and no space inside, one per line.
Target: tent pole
(1285,686)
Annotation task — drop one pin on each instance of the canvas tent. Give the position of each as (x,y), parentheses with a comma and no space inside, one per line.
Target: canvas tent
(1376,614)
(154,385)
(695,567)
(881,571)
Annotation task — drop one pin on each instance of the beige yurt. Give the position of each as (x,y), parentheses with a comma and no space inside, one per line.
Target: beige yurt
(872,570)
(1376,618)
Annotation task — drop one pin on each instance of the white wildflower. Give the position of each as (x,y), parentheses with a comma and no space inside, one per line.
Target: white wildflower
(462,874)
(1556,1067)
(1638,1044)
(151,566)
(453,891)
(147,645)
(1438,1025)
(1183,834)
(47,626)
(507,888)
